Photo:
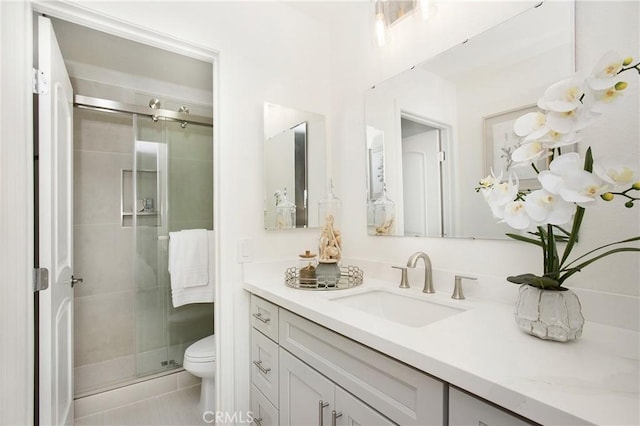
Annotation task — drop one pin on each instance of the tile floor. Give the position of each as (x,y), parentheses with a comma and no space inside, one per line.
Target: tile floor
(174,408)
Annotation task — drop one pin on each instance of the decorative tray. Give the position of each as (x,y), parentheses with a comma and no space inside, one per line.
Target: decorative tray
(350,276)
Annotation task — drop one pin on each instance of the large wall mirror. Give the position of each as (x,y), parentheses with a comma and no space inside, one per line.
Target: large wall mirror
(295,166)
(432,132)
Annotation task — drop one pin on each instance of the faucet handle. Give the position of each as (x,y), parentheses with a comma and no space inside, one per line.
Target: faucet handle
(457,288)
(404,281)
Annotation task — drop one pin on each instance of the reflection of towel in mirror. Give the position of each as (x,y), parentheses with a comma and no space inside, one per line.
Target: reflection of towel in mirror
(190,267)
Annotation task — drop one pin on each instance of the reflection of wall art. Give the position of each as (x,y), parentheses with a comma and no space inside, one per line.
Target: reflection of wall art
(499,143)
(376,173)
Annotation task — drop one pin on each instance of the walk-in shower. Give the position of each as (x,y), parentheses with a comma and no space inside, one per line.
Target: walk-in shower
(139,173)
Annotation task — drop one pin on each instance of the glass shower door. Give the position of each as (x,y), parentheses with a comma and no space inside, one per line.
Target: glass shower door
(173,191)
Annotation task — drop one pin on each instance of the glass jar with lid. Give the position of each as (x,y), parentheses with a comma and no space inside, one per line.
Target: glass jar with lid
(285,211)
(329,220)
(307,265)
(384,213)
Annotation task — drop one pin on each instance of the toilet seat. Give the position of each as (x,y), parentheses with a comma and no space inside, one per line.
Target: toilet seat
(204,350)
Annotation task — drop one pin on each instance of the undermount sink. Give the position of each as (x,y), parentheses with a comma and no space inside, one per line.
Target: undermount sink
(408,310)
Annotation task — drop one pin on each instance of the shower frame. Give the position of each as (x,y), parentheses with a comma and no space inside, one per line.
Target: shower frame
(89,102)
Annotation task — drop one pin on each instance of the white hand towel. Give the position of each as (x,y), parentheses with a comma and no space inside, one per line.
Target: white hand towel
(189,258)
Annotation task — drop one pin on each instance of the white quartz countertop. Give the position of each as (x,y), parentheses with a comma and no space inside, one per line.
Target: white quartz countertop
(592,380)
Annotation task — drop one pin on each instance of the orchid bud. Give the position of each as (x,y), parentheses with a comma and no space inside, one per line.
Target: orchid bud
(607,196)
(627,61)
(636,186)
(621,85)
(628,204)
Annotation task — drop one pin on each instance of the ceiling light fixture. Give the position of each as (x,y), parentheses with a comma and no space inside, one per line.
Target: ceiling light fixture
(389,12)
(381,23)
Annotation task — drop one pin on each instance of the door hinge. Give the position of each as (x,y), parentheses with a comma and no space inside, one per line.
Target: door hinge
(441,156)
(40,82)
(40,279)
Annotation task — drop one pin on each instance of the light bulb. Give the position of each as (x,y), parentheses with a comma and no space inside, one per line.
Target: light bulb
(380,26)
(424,8)
(381,30)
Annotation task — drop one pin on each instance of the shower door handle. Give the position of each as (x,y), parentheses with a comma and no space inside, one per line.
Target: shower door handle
(75,281)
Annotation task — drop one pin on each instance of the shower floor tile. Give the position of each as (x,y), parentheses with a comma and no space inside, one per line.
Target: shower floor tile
(174,408)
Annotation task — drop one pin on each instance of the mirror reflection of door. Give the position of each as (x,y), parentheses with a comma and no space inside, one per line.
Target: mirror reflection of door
(300,173)
(422,155)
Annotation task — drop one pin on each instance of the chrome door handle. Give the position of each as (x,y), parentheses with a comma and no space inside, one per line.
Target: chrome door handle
(334,417)
(75,281)
(260,318)
(260,367)
(321,406)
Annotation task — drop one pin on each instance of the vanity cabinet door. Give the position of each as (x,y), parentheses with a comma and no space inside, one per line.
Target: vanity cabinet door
(465,410)
(302,391)
(351,411)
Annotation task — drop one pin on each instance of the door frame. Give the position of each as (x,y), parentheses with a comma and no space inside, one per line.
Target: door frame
(16,214)
(16,202)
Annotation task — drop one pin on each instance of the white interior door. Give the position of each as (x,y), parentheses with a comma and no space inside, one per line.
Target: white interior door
(55,115)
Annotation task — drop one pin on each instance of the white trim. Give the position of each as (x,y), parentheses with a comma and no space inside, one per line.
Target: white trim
(223,311)
(80,15)
(16,215)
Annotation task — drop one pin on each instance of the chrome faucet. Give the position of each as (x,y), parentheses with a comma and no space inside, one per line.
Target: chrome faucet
(428,278)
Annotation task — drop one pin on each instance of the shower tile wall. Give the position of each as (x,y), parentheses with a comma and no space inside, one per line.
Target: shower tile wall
(104,304)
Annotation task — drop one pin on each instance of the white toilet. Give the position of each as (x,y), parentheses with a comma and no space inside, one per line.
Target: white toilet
(200,360)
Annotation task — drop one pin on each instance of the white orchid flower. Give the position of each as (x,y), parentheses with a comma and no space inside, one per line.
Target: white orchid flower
(500,194)
(605,73)
(563,96)
(615,171)
(531,125)
(529,152)
(601,101)
(515,215)
(554,139)
(545,207)
(566,178)
(583,188)
(572,121)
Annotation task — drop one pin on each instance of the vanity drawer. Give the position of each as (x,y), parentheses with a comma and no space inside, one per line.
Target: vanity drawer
(264,365)
(403,394)
(264,317)
(264,413)
(465,409)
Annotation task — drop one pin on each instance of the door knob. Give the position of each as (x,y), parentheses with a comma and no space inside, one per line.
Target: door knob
(75,281)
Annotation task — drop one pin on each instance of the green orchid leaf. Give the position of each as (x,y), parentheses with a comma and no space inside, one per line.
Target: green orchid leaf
(583,265)
(575,230)
(628,240)
(525,239)
(544,283)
